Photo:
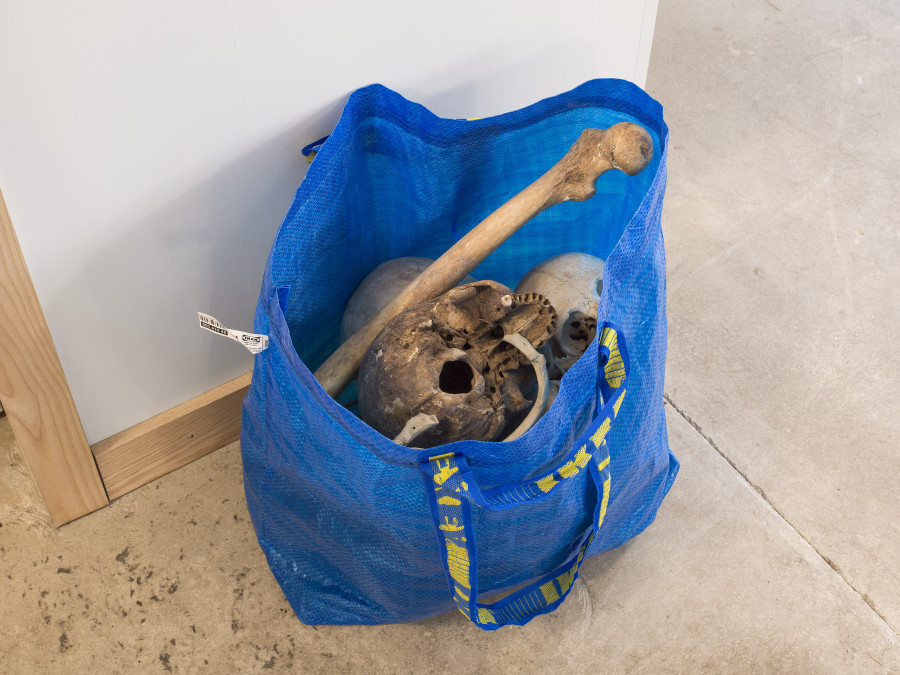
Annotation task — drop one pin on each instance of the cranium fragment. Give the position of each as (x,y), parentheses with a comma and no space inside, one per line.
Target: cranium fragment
(572,282)
(380,286)
(449,358)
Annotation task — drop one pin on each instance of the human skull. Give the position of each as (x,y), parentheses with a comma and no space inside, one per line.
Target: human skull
(447,357)
(572,282)
(380,286)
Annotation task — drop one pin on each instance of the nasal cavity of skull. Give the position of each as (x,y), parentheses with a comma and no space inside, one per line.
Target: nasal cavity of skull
(456,378)
(581,329)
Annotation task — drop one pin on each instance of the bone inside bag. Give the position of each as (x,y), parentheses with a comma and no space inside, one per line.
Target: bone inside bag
(393,209)
(451,358)
(418,379)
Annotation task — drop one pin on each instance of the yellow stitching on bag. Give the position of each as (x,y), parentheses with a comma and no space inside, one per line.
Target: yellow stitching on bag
(444,471)
(582,457)
(615,359)
(602,465)
(451,527)
(604,502)
(610,340)
(618,404)
(549,591)
(600,434)
(486,616)
(565,580)
(458,564)
(615,382)
(547,483)
(567,470)
(615,377)
(614,367)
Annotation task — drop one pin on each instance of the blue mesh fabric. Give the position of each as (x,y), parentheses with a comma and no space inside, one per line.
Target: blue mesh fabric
(341,511)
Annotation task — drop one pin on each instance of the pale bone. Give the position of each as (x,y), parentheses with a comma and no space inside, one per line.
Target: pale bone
(540,369)
(415,427)
(572,282)
(380,286)
(625,146)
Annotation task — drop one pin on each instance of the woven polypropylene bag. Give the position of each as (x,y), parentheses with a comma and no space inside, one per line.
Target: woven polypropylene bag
(357,529)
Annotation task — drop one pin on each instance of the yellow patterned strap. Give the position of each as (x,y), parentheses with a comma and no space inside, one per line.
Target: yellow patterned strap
(574,462)
(456,537)
(616,366)
(452,490)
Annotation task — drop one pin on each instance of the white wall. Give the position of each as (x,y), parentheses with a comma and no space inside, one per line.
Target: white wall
(149,150)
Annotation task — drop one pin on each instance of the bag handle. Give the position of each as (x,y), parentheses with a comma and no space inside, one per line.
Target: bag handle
(311,150)
(451,490)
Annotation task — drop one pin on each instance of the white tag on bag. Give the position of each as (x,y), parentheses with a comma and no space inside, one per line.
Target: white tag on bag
(255,343)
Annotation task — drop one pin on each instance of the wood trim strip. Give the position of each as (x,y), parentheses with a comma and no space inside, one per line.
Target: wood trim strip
(36,395)
(156,446)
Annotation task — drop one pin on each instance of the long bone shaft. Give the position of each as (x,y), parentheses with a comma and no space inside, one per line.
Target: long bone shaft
(624,146)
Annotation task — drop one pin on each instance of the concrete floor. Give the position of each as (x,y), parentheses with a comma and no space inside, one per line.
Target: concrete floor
(778,549)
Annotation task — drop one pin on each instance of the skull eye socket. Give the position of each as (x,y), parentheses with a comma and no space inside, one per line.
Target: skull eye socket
(456,378)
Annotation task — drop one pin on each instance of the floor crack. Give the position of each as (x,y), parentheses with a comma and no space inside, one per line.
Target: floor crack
(837,570)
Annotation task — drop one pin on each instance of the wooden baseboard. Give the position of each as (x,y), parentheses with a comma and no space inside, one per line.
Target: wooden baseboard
(36,395)
(70,475)
(163,443)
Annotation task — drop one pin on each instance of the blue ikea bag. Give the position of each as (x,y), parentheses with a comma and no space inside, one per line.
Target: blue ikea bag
(359,530)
